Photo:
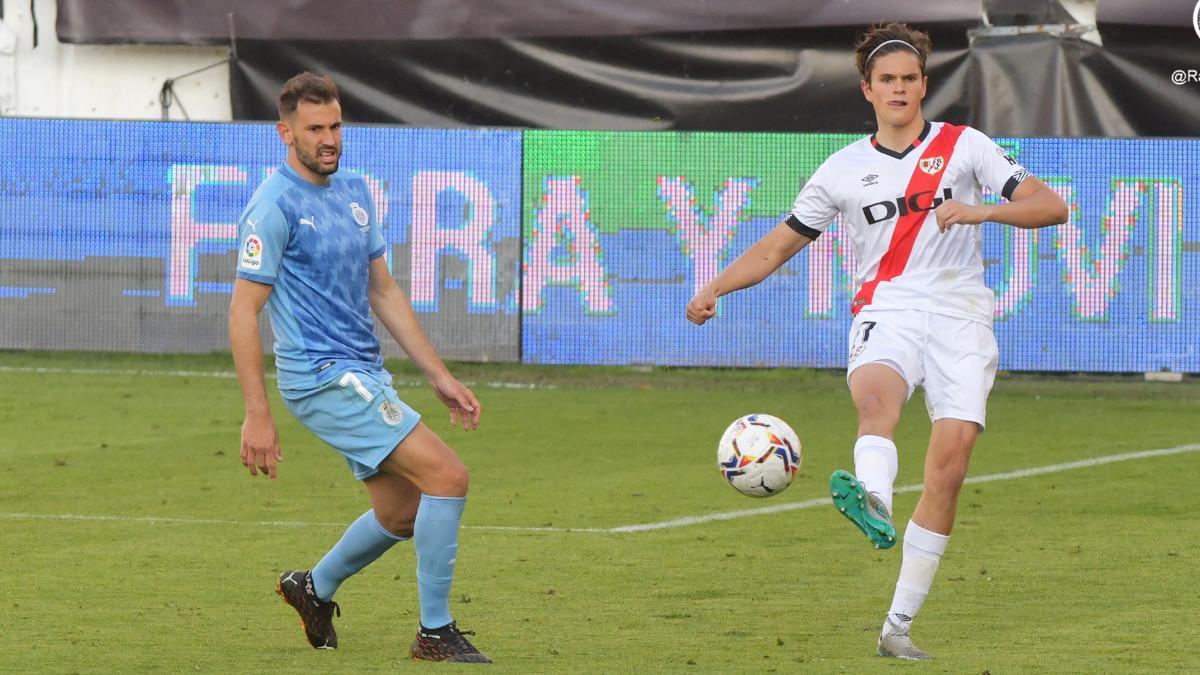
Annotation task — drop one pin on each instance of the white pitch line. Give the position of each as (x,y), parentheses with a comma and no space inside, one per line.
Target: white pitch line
(644,527)
(154,520)
(226,374)
(121,371)
(917,487)
(1084,463)
(518,528)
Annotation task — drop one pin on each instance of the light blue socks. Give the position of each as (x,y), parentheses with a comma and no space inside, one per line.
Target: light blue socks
(364,541)
(435,536)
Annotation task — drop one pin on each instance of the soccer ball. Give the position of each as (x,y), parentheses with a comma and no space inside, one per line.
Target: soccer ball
(759,455)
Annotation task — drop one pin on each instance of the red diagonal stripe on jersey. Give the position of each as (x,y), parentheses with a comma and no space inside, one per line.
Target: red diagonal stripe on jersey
(909,225)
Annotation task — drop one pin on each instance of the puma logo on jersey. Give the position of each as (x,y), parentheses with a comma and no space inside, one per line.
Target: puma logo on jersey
(902,206)
(311,222)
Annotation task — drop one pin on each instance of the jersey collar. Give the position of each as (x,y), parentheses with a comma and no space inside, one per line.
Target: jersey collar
(296,178)
(901,155)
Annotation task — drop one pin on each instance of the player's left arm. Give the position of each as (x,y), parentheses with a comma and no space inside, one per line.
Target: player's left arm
(1030,203)
(391,305)
(1033,205)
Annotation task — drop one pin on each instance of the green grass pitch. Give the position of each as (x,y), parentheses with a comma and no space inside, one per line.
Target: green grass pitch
(132,539)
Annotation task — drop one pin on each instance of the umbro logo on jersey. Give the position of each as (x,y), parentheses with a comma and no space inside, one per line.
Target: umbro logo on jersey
(931,165)
(311,222)
(1007,157)
(869,180)
(902,206)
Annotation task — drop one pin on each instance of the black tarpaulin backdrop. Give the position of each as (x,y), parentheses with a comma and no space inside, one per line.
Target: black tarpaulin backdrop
(208,22)
(757,66)
(735,80)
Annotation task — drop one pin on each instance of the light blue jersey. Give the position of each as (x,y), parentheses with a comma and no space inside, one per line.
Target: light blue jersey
(313,244)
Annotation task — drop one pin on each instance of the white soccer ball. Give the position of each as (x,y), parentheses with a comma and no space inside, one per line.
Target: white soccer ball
(759,455)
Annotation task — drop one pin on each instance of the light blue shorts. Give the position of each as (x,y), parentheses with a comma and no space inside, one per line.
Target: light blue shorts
(359,414)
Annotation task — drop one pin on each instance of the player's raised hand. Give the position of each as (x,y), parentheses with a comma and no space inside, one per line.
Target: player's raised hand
(953,212)
(702,307)
(460,400)
(260,445)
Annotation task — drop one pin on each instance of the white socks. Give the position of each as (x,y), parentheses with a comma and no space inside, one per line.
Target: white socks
(923,551)
(875,465)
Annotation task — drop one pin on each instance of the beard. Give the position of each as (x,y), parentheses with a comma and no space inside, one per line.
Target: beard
(310,161)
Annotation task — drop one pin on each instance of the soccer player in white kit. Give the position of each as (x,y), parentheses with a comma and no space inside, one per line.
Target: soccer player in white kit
(908,198)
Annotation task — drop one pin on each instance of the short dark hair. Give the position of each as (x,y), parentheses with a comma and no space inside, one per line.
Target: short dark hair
(306,87)
(864,49)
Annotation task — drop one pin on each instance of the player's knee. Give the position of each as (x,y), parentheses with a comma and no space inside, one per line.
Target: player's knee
(461,478)
(452,478)
(873,411)
(949,481)
(947,475)
(398,524)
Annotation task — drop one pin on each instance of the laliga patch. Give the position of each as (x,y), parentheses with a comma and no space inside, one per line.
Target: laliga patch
(931,165)
(252,253)
(392,413)
(360,214)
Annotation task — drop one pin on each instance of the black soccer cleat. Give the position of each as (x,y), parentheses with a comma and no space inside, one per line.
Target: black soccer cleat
(316,615)
(447,643)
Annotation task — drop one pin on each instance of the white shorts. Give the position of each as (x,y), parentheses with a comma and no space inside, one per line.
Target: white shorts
(953,359)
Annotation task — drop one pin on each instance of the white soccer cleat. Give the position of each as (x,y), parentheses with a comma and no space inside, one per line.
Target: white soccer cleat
(894,641)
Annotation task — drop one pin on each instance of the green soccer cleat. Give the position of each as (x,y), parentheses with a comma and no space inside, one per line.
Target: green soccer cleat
(862,508)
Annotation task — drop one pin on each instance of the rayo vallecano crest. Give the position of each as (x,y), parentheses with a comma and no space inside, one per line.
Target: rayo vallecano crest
(931,165)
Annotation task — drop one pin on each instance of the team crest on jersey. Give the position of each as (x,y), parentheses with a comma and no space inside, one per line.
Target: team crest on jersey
(931,165)
(392,413)
(360,215)
(252,253)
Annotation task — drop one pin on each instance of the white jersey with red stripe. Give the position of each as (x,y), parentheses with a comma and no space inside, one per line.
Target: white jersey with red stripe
(886,201)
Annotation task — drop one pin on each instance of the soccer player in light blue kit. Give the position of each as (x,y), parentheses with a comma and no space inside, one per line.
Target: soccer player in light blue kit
(312,253)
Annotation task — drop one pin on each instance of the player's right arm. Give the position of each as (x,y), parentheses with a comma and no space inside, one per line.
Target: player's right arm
(757,263)
(813,211)
(262,237)
(260,440)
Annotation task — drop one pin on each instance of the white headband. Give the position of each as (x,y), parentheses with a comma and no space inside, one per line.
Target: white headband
(888,42)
